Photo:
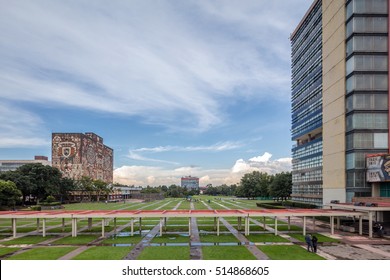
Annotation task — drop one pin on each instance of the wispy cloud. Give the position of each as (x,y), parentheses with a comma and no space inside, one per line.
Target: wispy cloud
(222,146)
(138,157)
(141,175)
(170,65)
(18,128)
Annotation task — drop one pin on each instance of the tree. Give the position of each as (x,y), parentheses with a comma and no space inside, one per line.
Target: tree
(281,185)
(100,188)
(85,186)
(43,180)
(254,184)
(9,194)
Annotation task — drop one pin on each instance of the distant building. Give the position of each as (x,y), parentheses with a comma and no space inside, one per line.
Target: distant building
(190,183)
(12,165)
(77,155)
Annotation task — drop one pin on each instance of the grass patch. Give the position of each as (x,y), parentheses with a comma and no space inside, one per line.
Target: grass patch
(165,253)
(123,240)
(288,252)
(321,238)
(34,239)
(285,227)
(48,253)
(224,238)
(80,239)
(5,251)
(171,238)
(103,253)
(226,253)
(266,237)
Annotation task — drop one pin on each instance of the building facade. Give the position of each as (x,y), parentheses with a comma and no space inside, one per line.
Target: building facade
(190,183)
(335,135)
(12,165)
(77,155)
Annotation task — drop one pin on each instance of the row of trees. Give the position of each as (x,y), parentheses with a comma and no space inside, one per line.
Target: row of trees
(37,182)
(257,184)
(33,183)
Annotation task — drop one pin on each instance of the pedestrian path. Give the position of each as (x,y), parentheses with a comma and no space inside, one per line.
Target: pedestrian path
(195,251)
(136,251)
(252,248)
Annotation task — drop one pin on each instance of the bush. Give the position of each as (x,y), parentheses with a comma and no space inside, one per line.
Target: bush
(36,208)
(295,204)
(270,205)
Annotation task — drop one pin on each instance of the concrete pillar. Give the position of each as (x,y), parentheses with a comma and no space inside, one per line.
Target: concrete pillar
(332,225)
(44,227)
(276,226)
(338,223)
(304,225)
(215,223)
(218,226)
(289,223)
(370,224)
(14,227)
(132,227)
(103,225)
(246,226)
(74,227)
(189,226)
(360,225)
(89,224)
(161,226)
(37,225)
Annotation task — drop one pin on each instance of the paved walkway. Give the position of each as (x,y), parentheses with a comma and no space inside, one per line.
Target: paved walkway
(195,251)
(252,248)
(136,251)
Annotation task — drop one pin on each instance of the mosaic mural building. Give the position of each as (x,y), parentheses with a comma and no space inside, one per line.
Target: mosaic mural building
(78,154)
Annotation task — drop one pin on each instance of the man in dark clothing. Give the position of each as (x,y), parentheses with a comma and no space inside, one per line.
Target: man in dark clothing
(314,241)
(309,243)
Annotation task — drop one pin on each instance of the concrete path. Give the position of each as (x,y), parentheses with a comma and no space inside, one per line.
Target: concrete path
(195,251)
(136,251)
(252,248)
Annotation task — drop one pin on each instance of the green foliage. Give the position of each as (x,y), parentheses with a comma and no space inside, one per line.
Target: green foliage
(254,184)
(295,204)
(281,185)
(9,194)
(270,205)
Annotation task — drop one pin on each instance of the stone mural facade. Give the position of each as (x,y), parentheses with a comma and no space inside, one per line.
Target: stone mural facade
(78,154)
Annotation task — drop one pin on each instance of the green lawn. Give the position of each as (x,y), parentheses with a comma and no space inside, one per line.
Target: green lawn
(223,238)
(171,238)
(123,240)
(31,239)
(321,238)
(288,252)
(266,237)
(103,253)
(47,253)
(5,251)
(80,239)
(165,253)
(226,253)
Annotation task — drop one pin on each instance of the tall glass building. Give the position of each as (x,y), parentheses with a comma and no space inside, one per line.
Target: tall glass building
(340,92)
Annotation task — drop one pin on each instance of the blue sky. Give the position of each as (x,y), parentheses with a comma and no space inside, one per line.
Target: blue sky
(175,87)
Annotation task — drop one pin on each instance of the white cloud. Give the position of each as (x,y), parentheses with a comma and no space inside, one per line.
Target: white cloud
(170,65)
(19,128)
(144,175)
(221,146)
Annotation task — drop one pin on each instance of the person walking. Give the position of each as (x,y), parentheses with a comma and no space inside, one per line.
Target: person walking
(314,241)
(309,243)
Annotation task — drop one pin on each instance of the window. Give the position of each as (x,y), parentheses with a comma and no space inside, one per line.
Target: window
(367,63)
(367,44)
(367,7)
(367,141)
(367,121)
(367,101)
(367,25)
(367,82)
